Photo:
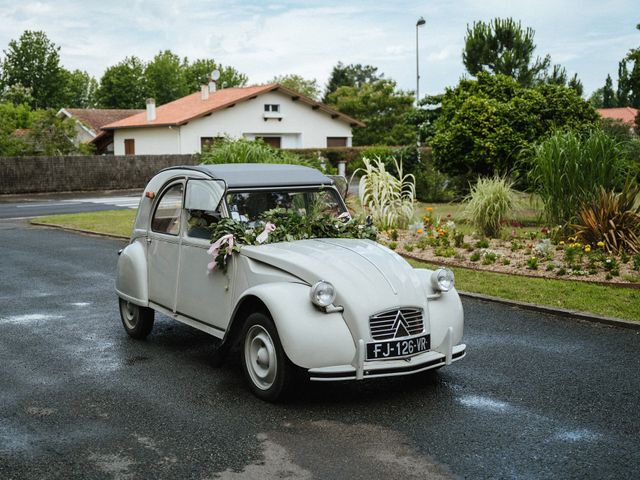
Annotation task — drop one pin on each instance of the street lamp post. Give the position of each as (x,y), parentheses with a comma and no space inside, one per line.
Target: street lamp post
(421,21)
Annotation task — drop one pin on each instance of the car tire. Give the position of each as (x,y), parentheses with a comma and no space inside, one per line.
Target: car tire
(265,364)
(137,320)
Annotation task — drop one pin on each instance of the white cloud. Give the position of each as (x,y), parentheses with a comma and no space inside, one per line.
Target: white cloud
(266,39)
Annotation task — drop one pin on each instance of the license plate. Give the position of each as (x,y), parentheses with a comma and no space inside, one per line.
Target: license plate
(398,348)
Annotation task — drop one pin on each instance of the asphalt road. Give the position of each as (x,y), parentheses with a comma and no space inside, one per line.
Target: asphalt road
(536,397)
(38,205)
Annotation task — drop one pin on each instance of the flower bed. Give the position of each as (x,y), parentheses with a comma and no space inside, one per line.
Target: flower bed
(527,253)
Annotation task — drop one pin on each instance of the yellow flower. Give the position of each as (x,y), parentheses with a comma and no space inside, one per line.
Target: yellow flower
(601,244)
(587,248)
(561,242)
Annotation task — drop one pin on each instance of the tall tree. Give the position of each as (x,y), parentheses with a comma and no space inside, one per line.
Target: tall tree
(624,86)
(596,99)
(123,85)
(307,87)
(353,75)
(165,78)
(382,107)
(608,94)
(33,61)
(575,83)
(17,94)
(199,71)
(503,46)
(81,89)
(634,76)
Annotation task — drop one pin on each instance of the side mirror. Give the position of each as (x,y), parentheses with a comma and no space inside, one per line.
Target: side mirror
(341,184)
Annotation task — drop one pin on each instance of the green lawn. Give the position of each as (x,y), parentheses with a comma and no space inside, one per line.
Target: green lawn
(609,301)
(113,222)
(600,299)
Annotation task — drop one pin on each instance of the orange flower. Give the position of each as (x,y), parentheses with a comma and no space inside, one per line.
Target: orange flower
(429,209)
(420,231)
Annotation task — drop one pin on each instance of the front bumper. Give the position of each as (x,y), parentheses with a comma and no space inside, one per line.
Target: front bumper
(387,368)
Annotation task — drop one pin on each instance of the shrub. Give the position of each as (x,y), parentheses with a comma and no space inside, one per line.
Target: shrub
(568,168)
(614,219)
(491,200)
(255,151)
(532,263)
(390,200)
(475,256)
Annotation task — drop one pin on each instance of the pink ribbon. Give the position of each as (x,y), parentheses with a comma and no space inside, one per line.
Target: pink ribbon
(268,228)
(214,249)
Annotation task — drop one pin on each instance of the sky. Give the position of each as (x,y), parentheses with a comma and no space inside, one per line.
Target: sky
(265,39)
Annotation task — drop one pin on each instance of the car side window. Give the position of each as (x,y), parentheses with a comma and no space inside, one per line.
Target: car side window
(166,218)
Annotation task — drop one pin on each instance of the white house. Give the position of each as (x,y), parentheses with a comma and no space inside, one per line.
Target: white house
(282,117)
(89,123)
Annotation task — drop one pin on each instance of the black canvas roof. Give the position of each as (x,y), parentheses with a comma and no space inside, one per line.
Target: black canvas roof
(255,175)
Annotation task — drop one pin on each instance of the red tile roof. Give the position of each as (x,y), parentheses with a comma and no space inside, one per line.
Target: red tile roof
(192,106)
(96,118)
(625,115)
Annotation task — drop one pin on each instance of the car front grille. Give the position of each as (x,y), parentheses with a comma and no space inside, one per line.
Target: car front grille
(396,323)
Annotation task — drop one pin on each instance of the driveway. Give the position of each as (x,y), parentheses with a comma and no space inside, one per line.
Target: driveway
(536,397)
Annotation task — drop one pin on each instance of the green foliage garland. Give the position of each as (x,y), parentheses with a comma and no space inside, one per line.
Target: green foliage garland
(290,226)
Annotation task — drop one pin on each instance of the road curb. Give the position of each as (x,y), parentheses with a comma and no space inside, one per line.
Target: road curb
(561,312)
(80,230)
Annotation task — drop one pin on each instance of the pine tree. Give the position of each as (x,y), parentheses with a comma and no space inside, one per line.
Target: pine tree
(608,95)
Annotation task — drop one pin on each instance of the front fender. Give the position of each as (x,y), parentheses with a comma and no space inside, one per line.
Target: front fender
(131,279)
(444,312)
(310,337)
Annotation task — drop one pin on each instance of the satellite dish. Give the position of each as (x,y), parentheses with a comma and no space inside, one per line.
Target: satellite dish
(215,75)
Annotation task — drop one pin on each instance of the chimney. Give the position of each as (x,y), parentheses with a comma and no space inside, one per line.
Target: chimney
(151,109)
(204,89)
(212,86)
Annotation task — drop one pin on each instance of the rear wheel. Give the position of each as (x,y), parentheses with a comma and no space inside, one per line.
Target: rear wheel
(137,320)
(266,366)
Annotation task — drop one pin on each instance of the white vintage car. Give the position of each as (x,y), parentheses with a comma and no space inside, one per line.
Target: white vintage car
(329,308)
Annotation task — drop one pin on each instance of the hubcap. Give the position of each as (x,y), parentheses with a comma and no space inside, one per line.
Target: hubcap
(260,357)
(129,314)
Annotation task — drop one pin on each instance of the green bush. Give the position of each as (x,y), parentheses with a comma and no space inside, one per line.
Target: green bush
(487,125)
(490,202)
(570,168)
(254,151)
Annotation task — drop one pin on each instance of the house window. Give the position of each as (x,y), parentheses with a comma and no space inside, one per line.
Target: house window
(336,141)
(274,142)
(271,107)
(205,142)
(129,146)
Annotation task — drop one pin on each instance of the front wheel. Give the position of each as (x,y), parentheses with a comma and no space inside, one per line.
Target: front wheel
(264,362)
(137,320)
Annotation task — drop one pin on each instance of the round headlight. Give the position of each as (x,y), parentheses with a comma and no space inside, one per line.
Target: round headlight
(442,279)
(322,294)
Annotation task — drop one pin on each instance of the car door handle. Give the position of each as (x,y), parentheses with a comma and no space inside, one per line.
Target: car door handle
(148,240)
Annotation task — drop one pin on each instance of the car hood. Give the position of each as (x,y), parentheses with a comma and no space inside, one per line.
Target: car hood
(368,277)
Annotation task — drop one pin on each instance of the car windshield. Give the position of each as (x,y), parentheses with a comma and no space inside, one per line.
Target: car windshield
(248,206)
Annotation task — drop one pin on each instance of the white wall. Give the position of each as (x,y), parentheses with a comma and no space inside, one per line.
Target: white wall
(300,127)
(148,141)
